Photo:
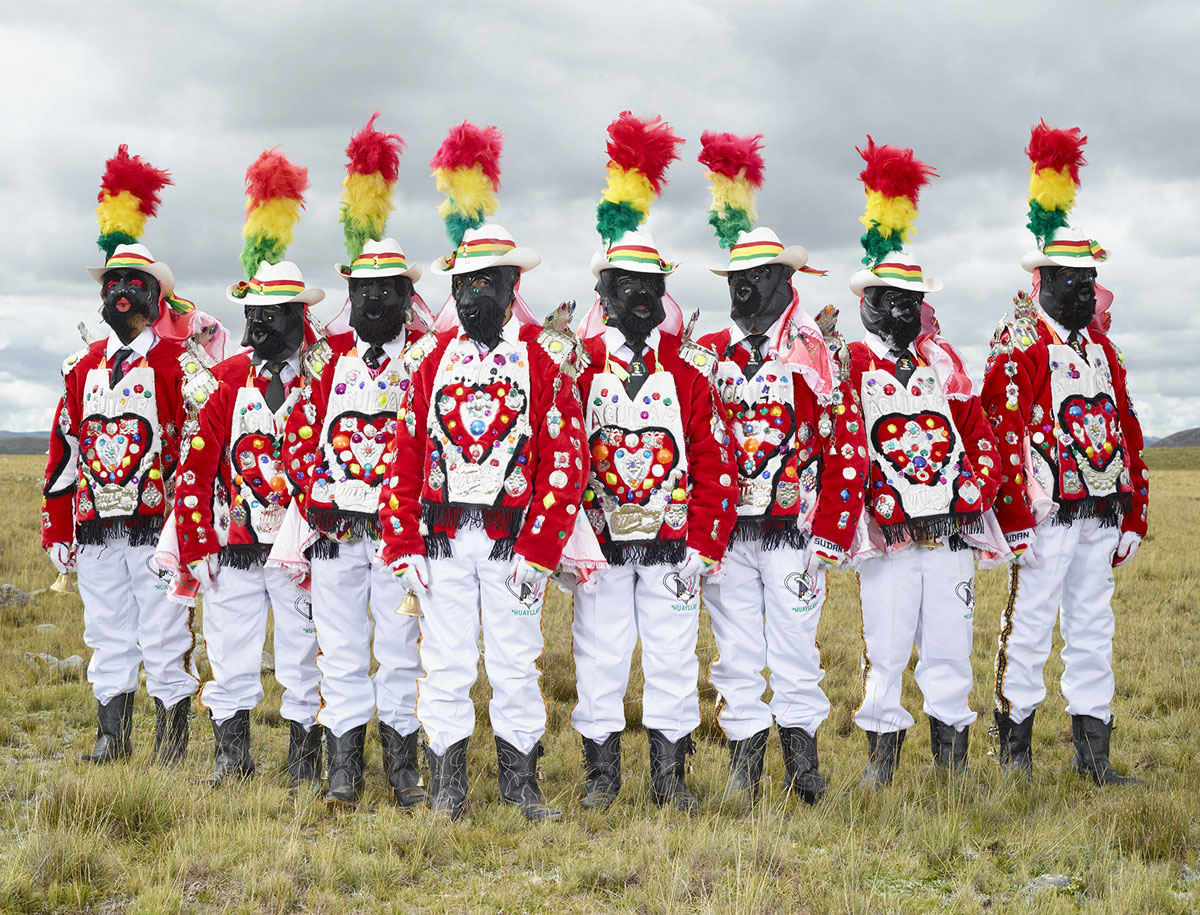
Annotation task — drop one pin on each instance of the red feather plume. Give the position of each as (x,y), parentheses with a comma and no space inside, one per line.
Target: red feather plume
(371,151)
(647,145)
(1050,147)
(271,175)
(893,171)
(727,154)
(124,172)
(468,145)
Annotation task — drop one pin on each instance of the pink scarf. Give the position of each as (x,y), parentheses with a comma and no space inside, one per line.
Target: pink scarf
(800,346)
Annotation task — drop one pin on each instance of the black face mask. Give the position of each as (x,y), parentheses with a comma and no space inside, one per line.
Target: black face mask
(632,301)
(130,301)
(273,331)
(759,296)
(1068,295)
(379,307)
(483,299)
(894,315)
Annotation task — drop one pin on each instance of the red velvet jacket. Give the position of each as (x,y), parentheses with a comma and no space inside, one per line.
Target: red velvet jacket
(1020,358)
(453,433)
(978,469)
(823,468)
(206,476)
(703,502)
(88,453)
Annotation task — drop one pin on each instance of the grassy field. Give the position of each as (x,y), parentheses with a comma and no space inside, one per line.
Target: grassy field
(132,837)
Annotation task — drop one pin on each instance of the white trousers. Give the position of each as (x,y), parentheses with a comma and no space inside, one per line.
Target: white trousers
(655,603)
(235,627)
(926,596)
(350,592)
(128,619)
(1074,584)
(764,614)
(468,590)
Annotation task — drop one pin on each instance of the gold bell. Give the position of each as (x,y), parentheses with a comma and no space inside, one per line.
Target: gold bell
(63,584)
(410,606)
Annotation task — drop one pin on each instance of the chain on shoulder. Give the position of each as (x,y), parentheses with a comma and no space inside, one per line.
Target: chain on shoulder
(199,383)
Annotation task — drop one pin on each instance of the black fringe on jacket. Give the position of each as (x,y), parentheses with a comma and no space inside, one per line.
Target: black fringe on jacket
(332,520)
(245,555)
(139,530)
(439,515)
(1110,509)
(772,533)
(654,552)
(939,527)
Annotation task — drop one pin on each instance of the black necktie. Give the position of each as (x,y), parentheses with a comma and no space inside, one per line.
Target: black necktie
(275,393)
(120,357)
(1075,341)
(374,357)
(754,363)
(906,364)
(637,370)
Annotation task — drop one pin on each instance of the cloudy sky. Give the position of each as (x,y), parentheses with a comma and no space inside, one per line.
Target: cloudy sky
(202,89)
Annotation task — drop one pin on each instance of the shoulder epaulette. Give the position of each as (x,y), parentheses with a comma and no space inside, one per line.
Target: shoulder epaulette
(198,380)
(72,360)
(701,358)
(315,358)
(415,354)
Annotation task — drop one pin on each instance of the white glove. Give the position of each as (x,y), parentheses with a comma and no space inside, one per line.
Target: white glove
(204,570)
(1126,547)
(529,573)
(412,573)
(62,555)
(695,564)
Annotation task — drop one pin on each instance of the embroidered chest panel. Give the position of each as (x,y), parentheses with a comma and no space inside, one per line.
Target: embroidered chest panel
(120,444)
(260,496)
(776,456)
(638,479)
(915,447)
(359,422)
(1079,450)
(479,423)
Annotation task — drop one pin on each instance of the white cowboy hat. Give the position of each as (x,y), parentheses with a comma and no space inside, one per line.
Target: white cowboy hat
(898,269)
(634,251)
(137,257)
(758,248)
(274,283)
(1068,247)
(380,258)
(488,246)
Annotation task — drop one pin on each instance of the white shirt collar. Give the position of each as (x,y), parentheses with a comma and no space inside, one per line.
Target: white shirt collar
(394,347)
(510,334)
(141,344)
(1063,333)
(878,347)
(614,342)
(772,333)
(291,368)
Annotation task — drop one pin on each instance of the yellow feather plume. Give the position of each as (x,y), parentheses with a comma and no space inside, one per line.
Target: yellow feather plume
(628,186)
(732,192)
(121,213)
(890,214)
(368,198)
(468,192)
(1052,188)
(272,218)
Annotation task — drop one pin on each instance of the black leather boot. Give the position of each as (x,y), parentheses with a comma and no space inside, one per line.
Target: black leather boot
(400,763)
(949,747)
(171,731)
(668,762)
(1016,744)
(448,780)
(346,765)
(1091,737)
(518,781)
(304,756)
(883,756)
(801,764)
(746,764)
(602,770)
(114,725)
(231,749)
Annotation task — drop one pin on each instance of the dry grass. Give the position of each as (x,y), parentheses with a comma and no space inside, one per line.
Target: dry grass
(135,838)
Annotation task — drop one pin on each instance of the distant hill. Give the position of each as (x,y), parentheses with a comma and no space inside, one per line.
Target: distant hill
(4,433)
(1188,438)
(24,443)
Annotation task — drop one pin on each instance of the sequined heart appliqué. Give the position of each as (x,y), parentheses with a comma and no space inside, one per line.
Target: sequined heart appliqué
(477,416)
(359,441)
(1092,424)
(257,463)
(632,464)
(113,447)
(917,445)
(759,432)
